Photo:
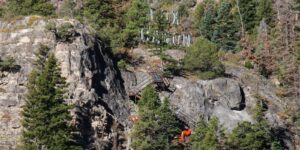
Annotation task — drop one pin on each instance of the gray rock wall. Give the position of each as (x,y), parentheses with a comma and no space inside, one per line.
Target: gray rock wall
(96,88)
(231,99)
(95,85)
(222,98)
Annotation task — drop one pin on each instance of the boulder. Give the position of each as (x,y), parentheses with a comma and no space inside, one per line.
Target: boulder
(221,97)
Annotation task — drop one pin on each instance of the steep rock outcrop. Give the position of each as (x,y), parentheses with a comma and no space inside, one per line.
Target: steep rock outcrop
(231,99)
(222,98)
(95,85)
(257,87)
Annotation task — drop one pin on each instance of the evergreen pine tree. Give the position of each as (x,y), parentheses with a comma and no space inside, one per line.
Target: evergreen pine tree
(46,116)
(146,130)
(149,100)
(208,19)
(207,136)
(226,27)
(202,57)
(107,18)
(158,30)
(258,136)
(168,125)
(136,19)
(246,136)
(157,125)
(198,14)
(29,7)
(183,11)
(248,12)
(98,13)
(264,11)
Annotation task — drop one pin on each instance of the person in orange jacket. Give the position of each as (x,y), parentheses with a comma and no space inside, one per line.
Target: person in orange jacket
(184,134)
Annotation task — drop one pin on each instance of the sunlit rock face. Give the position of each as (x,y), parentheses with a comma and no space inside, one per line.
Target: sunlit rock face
(231,99)
(223,98)
(95,85)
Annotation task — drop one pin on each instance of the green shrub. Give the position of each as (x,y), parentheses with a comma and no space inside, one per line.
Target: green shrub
(202,58)
(7,64)
(98,13)
(171,66)
(172,69)
(122,64)
(166,2)
(183,11)
(29,7)
(63,33)
(135,18)
(207,135)
(51,26)
(107,20)
(249,65)
(207,75)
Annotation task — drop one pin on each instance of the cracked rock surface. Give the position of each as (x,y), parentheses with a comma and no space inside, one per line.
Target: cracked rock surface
(95,85)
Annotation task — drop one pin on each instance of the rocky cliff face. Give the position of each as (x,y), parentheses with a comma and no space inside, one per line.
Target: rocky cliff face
(231,99)
(96,88)
(223,98)
(95,85)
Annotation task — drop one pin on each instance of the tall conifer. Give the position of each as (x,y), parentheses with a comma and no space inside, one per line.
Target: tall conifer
(226,27)
(46,116)
(29,7)
(136,18)
(157,126)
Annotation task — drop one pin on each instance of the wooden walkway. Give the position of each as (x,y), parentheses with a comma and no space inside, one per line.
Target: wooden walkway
(138,88)
(154,78)
(158,79)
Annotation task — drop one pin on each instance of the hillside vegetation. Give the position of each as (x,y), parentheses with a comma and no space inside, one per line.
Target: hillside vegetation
(260,35)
